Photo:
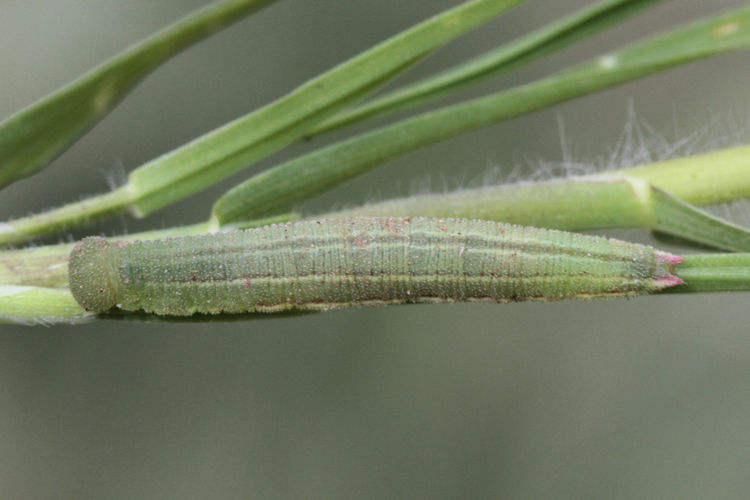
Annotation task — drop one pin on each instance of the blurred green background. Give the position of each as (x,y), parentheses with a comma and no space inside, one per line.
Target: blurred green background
(607,399)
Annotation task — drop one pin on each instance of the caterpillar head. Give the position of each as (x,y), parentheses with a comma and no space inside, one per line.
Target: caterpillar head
(93,274)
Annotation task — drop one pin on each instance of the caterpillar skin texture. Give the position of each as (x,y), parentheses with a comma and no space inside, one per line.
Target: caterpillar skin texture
(333,263)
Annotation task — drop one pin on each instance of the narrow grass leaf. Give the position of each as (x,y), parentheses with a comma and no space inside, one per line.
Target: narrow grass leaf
(676,217)
(33,137)
(220,153)
(526,49)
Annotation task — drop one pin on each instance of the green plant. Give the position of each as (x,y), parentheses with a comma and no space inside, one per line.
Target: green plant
(634,197)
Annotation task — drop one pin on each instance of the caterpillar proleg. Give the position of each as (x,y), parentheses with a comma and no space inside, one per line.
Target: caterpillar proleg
(330,263)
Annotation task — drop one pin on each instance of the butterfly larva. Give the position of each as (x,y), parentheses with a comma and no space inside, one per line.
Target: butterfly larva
(338,262)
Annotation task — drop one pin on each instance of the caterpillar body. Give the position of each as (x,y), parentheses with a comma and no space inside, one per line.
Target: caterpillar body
(323,264)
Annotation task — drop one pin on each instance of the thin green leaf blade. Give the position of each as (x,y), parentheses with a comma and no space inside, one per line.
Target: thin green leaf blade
(220,153)
(555,36)
(36,135)
(281,187)
(678,218)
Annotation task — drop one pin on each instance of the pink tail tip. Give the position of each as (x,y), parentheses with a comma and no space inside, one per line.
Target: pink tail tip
(671,258)
(669,280)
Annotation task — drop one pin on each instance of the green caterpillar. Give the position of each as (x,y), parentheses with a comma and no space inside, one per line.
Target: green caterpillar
(333,263)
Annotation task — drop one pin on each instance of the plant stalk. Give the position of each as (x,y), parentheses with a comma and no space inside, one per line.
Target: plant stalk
(713,273)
